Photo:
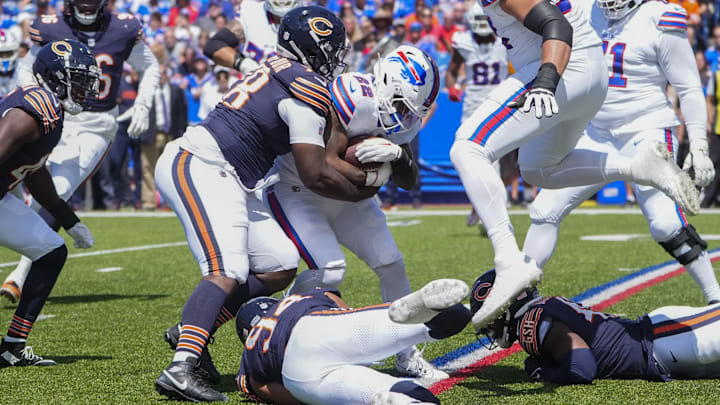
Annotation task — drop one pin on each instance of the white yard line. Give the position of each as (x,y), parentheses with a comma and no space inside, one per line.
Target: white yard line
(111,251)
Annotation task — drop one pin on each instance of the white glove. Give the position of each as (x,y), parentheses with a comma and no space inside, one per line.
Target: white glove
(81,235)
(539,97)
(140,123)
(377,150)
(698,159)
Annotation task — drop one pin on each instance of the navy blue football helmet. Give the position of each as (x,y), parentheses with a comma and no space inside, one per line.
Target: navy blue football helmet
(315,37)
(250,313)
(85,12)
(503,331)
(68,69)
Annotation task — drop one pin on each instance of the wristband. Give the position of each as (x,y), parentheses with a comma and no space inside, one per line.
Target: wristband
(238,61)
(401,162)
(64,215)
(547,77)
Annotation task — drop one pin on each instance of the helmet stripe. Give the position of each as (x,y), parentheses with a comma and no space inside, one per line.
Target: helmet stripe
(409,65)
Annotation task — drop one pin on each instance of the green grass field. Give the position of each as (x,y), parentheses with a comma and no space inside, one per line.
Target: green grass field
(105,328)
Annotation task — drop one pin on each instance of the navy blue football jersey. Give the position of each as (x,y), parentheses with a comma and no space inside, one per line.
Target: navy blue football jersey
(622,347)
(47,111)
(246,123)
(111,47)
(265,345)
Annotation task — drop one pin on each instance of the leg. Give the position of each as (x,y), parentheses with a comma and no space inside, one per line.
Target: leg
(301,215)
(687,340)
(47,252)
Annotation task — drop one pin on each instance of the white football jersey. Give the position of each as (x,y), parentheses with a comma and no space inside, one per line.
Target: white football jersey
(643,51)
(486,66)
(353,100)
(525,46)
(260,32)
(8,84)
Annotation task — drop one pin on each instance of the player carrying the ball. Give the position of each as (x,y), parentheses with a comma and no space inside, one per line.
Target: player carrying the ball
(386,108)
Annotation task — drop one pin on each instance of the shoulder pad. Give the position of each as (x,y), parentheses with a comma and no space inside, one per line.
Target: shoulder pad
(127,25)
(529,330)
(308,87)
(671,17)
(45,28)
(352,96)
(43,105)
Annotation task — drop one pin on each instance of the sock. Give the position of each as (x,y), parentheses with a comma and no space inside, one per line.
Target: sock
(198,317)
(40,281)
(702,272)
(252,288)
(540,242)
(394,282)
(20,273)
(487,194)
(49,219)
(19,329)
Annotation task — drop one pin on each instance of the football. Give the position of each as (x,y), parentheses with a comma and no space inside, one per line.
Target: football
(378,173)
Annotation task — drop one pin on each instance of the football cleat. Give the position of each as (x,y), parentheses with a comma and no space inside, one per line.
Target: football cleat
(396,398)
(19,355)
(473,218)
(414,365)
(206,369)
(181,381)
(422,305)
(655,166)
(11,291)
(512,278)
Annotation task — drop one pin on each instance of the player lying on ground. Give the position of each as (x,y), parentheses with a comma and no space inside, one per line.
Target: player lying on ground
(389,106)
(311,348)
(572,344)
(647,48)
(562,77)
(30,127)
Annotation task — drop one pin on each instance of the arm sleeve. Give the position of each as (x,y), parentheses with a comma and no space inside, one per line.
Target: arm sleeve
(578,366)
(305,125)
(25,70)
(677,61)
(144,62)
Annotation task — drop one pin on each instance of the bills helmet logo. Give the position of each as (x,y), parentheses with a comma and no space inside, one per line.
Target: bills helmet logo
(411,71)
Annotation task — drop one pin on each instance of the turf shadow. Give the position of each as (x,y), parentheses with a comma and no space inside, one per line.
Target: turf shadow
(73,359)
(495,381)
(75,299)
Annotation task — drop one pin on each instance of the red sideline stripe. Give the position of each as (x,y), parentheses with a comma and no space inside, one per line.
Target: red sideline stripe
(460,375)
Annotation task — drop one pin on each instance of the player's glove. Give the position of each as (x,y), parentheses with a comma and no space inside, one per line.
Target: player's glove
(541,94)
(533,367)
(377,150)
(140,115)
(698,160)
(81,235)
(455,94)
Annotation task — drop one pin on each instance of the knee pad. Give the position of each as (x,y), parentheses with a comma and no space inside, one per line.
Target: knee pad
(545,211)
(449,322)
(415,391)
(686,246)
(329,277)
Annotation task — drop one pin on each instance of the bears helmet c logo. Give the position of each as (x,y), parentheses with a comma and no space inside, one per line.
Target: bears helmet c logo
(318,29)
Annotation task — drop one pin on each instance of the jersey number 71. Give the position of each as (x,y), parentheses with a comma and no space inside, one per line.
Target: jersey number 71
(617,79)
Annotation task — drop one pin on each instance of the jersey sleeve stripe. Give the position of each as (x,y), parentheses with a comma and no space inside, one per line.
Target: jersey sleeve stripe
(37,108)
(486,3)
(309,98)
(344,109)
(678,15)
(46,106)
(49,104)
(315,86)
(672,24)
(321,97)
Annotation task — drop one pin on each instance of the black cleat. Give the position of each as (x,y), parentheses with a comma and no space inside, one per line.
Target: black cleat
(205,369)
(181,381)
(19,355)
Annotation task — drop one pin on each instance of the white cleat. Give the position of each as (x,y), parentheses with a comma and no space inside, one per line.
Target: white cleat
(655,166)
(422,305)
(11,291)
(395,398)
(511,279)
(414,365)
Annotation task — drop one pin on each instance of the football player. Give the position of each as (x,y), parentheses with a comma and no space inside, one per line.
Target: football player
(255,28)
(281,335)
(208,173)
(552,47)
(9,45)
(571,344)
(114,39)
(485,60)
(646,48)
(31,123)
(390,105)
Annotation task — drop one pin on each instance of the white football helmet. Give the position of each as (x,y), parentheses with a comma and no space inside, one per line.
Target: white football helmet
(617,9)
(406,85)
(478,21)
(9,45)
(279,7)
